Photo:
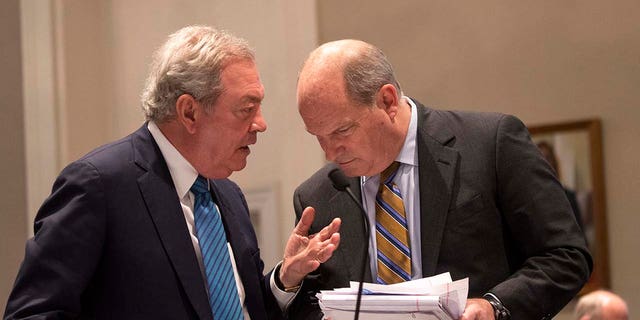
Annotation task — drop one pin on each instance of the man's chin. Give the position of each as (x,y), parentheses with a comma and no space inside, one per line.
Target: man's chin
(238,165)
(225,171)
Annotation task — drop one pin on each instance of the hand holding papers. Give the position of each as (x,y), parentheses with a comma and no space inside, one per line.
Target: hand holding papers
(436,297)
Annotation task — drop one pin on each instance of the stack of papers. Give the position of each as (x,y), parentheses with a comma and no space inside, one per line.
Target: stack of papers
(436,297)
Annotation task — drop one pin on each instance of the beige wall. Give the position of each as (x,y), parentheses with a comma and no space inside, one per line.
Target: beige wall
(12,185)
(544,61)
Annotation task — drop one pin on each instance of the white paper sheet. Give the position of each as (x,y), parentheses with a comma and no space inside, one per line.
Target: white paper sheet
(436,297)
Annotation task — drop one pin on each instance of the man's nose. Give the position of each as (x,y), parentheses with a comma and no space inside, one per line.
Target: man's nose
(329,147)
(259,124)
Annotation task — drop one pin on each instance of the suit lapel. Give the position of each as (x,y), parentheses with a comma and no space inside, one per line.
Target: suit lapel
(437,164)
(164,208)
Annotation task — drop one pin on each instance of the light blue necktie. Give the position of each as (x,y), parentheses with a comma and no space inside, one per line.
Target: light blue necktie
(223,292)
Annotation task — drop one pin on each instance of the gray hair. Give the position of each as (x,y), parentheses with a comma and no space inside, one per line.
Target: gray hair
(190,62)
(589,305)
(366,73)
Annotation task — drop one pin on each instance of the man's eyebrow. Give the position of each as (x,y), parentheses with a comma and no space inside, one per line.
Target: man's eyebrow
(252,98)
(343,126)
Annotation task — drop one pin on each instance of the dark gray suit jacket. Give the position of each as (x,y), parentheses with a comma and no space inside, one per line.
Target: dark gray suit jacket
(111,242)
(491,210)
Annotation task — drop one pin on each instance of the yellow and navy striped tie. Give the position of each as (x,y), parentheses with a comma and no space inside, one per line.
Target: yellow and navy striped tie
(392,237)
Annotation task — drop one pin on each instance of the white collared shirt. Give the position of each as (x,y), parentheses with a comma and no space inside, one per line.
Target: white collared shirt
(405,179)
(184,175)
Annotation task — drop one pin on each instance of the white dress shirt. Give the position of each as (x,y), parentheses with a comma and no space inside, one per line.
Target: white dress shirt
(184,175)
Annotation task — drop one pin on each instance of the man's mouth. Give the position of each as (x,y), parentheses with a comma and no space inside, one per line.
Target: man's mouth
(246,147)
(344,163)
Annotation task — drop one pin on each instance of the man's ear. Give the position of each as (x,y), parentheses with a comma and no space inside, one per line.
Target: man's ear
(388,100)
(186,112)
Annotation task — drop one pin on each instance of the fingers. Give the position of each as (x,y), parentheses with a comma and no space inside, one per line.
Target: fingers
(329,230)
(307,258)
(304,253)
(312,265)
(303,226)
(334,226)
(327,250)
(323,251)
(314,249)
(324,243)
(335,240)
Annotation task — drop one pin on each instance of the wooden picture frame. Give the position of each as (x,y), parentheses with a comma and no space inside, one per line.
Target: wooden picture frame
(578,149)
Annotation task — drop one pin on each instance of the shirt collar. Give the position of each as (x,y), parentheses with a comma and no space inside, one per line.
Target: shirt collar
(182,172)
(409,154)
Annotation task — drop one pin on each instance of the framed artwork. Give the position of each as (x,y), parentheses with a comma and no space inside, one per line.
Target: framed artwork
(266,222)
(574,150)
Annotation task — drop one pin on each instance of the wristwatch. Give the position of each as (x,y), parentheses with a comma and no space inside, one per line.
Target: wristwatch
(499,311)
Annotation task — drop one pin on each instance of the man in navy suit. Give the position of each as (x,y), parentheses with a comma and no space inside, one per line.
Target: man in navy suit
(116,239)
(479,198)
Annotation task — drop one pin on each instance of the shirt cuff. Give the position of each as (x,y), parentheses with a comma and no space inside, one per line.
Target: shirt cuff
(283,298)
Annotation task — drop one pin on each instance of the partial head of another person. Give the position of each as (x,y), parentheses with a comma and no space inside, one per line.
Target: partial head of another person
(601,305)
(349,99)
(204,93)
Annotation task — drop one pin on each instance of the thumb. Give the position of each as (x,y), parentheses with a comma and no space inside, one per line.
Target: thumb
(305,222)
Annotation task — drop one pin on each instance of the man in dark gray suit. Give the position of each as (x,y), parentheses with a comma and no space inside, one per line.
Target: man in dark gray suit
(479,199)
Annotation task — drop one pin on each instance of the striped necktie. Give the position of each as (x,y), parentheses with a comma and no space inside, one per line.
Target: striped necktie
(223,292)
(392,237)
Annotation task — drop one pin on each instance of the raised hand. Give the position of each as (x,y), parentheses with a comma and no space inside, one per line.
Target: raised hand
(304,253)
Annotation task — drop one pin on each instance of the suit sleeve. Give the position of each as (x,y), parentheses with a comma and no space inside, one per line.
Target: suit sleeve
(269,302)
(540,227)
(61,257)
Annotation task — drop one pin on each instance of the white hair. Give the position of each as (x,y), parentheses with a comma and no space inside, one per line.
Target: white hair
(601,304)
(190,62)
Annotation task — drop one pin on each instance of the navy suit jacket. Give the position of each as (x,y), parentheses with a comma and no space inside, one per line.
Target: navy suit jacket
(490,209)
(111,242)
